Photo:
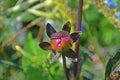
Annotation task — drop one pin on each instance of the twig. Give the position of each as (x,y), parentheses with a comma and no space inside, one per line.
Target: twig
(20,32)
(64,66)
(77,44)
(41,30)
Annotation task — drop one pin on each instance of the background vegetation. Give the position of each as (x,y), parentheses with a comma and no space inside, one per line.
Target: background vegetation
(22,28)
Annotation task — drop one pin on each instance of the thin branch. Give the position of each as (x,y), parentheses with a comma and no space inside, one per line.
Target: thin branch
(20,32)
(64,66)
(79,20)
(41,30)
(77,44)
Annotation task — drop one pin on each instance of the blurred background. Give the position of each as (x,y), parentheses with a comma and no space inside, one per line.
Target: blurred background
(22,28)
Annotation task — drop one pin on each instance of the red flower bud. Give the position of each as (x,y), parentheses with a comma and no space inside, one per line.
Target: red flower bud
(61,41)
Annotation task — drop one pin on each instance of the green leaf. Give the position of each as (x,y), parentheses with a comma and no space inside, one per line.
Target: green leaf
(38,56)
(35,74)
(112,64)
(18,75)
(29,17)
(37,66)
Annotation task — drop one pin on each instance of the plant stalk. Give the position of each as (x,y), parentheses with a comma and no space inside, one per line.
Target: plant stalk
(65,67)
(77,44)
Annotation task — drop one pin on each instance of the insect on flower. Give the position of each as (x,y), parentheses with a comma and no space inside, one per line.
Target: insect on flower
(61,42)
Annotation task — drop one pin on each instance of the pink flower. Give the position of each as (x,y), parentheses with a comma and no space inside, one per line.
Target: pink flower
(61,42)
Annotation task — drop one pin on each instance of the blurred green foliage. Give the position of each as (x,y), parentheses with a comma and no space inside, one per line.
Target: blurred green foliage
(23,59)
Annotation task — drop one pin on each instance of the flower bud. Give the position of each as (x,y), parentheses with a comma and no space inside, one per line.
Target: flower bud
(61,41)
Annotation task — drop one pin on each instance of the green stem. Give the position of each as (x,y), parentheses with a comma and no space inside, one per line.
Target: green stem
(64,66)
(4,54)
(10,63)
(52,76)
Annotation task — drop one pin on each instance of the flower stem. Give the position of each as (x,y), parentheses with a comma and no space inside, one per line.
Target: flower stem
(78,28)
(64,66)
